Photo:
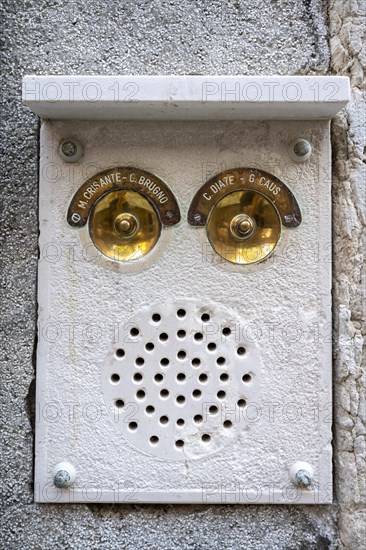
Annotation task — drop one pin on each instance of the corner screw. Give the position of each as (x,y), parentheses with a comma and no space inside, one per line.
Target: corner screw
(63,475)
(70,150)
(301,474)
(300,150)
(303,478)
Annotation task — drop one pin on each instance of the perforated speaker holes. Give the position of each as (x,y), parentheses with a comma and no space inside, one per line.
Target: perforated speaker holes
(179,381)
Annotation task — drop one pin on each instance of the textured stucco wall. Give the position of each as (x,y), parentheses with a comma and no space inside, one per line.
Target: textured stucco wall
(253,37)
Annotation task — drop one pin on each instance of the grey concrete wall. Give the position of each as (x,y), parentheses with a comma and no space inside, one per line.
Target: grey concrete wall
(192,37)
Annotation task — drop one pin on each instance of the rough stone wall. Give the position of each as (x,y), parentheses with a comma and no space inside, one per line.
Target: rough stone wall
(157,37)
(348,57)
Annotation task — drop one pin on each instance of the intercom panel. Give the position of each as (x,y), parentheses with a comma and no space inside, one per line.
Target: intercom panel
(184,335)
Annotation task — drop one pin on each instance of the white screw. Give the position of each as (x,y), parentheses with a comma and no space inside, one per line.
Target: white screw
(64,475)
(301,474)
(70,150)
(300,150)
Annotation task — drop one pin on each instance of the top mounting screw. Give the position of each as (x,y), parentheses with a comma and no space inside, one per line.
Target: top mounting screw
(300,150)
(70,150)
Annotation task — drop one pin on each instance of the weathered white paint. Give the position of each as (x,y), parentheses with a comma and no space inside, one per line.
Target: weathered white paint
(286,303)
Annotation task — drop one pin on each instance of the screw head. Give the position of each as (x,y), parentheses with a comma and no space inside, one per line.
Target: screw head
(301,474)
(70,150)
(63,475)
(61,479)
(303,478)
(300,150)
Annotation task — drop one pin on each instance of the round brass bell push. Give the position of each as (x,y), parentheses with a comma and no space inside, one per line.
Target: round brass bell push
(124,225)
(244,227)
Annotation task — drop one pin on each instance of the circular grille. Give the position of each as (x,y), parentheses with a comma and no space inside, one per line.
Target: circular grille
(179,381)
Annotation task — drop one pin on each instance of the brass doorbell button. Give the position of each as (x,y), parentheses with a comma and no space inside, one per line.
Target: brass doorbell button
(126,208)
(124,225)
(242,226)
(244,210)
